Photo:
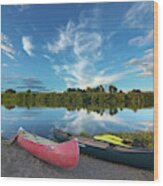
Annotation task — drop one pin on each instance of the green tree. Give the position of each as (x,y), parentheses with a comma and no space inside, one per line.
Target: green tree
(12,91)
(101,88)
(112,89)
(29,91)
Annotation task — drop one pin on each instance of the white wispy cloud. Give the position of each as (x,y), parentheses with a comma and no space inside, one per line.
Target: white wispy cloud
(143,64)
(139,15)
(4,64)
(46,57)
(7,47)
(58,69)
(27,45)
(22,8)
(91,19)
(64,39)
(86,49)
(142,40)
(110,35)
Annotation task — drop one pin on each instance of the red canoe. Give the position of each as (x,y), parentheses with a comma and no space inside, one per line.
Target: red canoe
(65,154)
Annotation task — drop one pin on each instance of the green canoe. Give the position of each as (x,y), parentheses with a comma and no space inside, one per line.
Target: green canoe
(132,156)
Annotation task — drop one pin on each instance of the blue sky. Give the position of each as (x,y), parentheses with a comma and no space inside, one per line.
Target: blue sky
(55,46)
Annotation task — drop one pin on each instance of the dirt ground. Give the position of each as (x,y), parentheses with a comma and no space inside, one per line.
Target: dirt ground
(16,162)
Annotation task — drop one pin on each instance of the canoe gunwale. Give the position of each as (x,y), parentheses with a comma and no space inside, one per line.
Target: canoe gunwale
(65,155)
(140,158)
(103,145)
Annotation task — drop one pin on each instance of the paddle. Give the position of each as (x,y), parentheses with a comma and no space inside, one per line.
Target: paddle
(12,140)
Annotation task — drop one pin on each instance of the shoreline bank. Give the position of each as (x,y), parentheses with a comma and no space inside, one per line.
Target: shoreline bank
(16,162)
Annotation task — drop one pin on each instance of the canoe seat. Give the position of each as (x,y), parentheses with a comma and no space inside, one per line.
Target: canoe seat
(37,139)
(92,142)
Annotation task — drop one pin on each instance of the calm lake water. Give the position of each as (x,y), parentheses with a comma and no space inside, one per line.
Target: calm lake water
(42,121)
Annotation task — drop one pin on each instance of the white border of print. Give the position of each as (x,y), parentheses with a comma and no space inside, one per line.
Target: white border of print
(65,182)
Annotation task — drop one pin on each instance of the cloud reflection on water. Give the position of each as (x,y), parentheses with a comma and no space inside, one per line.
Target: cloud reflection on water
(92,122)
(42,121)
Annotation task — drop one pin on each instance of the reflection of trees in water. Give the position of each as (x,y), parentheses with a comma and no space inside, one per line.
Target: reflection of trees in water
(9,107)
(91,101)
(113,111)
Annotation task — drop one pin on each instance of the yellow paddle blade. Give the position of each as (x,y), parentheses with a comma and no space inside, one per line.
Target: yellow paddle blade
(111,139)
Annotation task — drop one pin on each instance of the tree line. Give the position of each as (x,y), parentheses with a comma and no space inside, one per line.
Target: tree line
(93,99)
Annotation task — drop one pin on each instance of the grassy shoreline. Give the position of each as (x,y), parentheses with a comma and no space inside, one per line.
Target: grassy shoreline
(146,137)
